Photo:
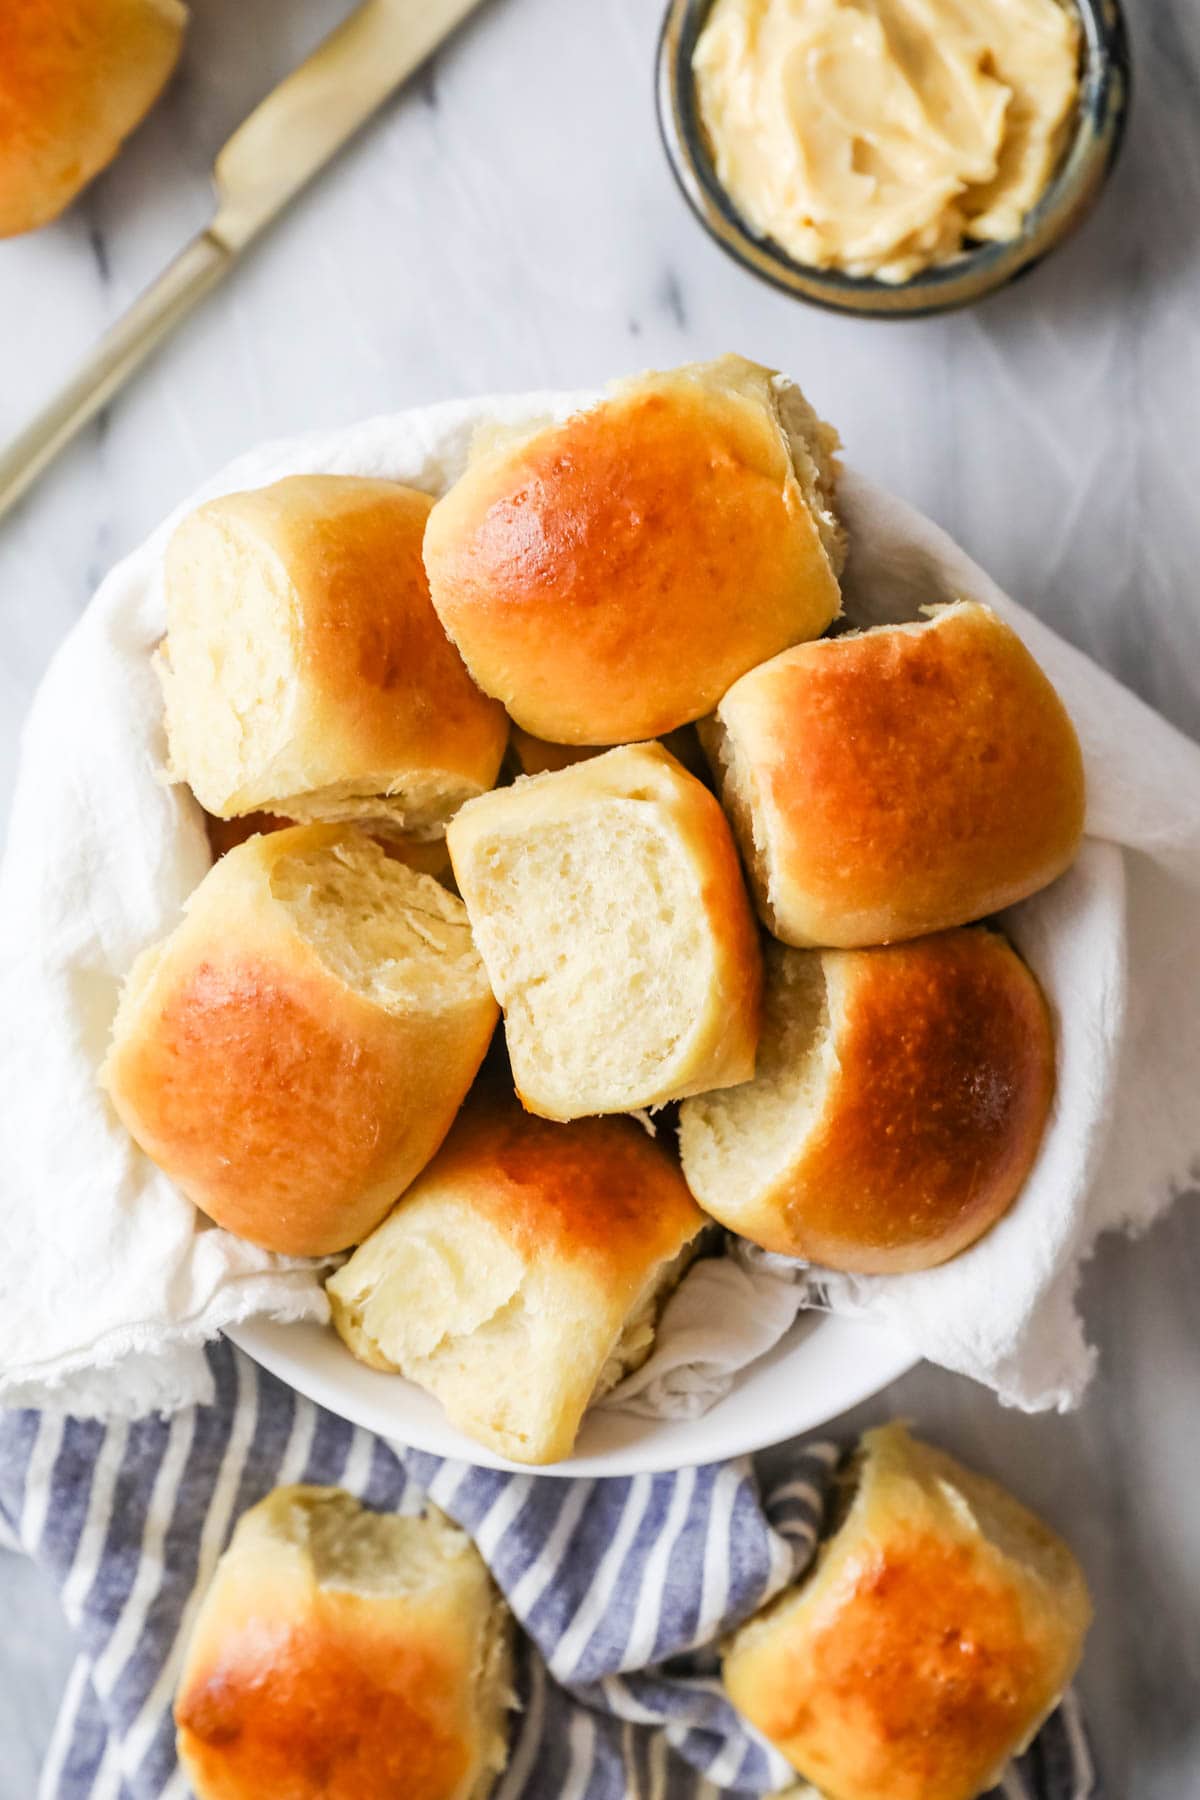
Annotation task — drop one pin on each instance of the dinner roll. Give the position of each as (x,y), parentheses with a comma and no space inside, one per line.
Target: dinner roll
(522,1275)
(899,1102)
(76,76)
(609,908)
(294,1053)
(938,1628)
(898,781)
(304,670)
(341,1654)
(608,577)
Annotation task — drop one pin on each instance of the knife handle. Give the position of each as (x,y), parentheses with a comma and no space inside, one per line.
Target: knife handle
(119,352)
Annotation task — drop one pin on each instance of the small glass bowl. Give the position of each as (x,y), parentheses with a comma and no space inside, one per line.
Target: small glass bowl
(1102,109)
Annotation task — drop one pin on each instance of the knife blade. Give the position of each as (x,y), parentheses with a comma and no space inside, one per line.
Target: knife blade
(273,154)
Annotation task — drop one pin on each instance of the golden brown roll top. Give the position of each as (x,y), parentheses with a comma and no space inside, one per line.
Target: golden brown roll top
(897,1107)
(294,1053)
(608,906)
(940,1625)
(341,1654)
(898,781)
(76,76)
(522,1274)
(305,671)
(608,578)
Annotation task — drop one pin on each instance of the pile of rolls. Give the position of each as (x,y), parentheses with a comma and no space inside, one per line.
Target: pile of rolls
(586,743)
(340,1651)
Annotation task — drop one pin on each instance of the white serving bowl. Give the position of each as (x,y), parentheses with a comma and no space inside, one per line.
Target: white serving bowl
(819,1369)
(107,857)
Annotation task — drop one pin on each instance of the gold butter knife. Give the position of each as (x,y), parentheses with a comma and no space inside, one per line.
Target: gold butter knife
(276,152)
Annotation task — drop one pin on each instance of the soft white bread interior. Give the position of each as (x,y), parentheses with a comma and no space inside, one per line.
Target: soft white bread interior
(898,1105)
(294,1053)
(889,783)
(609,576)
(608,905)
(521,1275)
(342,1654)
(304,669)
(939,1626)
(76,77)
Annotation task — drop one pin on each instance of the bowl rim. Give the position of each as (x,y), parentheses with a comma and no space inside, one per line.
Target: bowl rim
(1102,115)
(820,1368)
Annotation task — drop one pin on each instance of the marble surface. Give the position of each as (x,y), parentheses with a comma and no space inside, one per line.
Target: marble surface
(510,223)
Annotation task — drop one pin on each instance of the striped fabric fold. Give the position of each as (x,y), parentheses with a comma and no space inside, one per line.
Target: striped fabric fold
(621,1587)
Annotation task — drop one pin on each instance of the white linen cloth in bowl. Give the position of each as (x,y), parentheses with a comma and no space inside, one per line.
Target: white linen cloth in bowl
(111,1280)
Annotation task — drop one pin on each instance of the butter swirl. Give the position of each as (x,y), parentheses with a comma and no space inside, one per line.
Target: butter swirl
(877,136)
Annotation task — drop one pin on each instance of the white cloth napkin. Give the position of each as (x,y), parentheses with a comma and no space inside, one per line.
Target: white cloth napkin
(111,1281)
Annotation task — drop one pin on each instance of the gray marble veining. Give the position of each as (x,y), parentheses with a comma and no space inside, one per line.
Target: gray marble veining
(510,223)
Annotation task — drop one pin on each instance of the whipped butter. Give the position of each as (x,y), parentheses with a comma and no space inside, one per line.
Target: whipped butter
(877,136)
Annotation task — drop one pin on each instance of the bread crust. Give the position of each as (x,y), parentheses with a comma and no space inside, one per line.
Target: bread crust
(928,1119)
(384,722)
(607,578)
(76,76)
(581,1218)
(941,1624)
(899,781)
(291,1108)
(302,1682)
(717,1047)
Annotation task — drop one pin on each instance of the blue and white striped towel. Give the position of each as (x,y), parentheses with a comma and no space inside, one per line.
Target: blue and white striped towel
(619,1584)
